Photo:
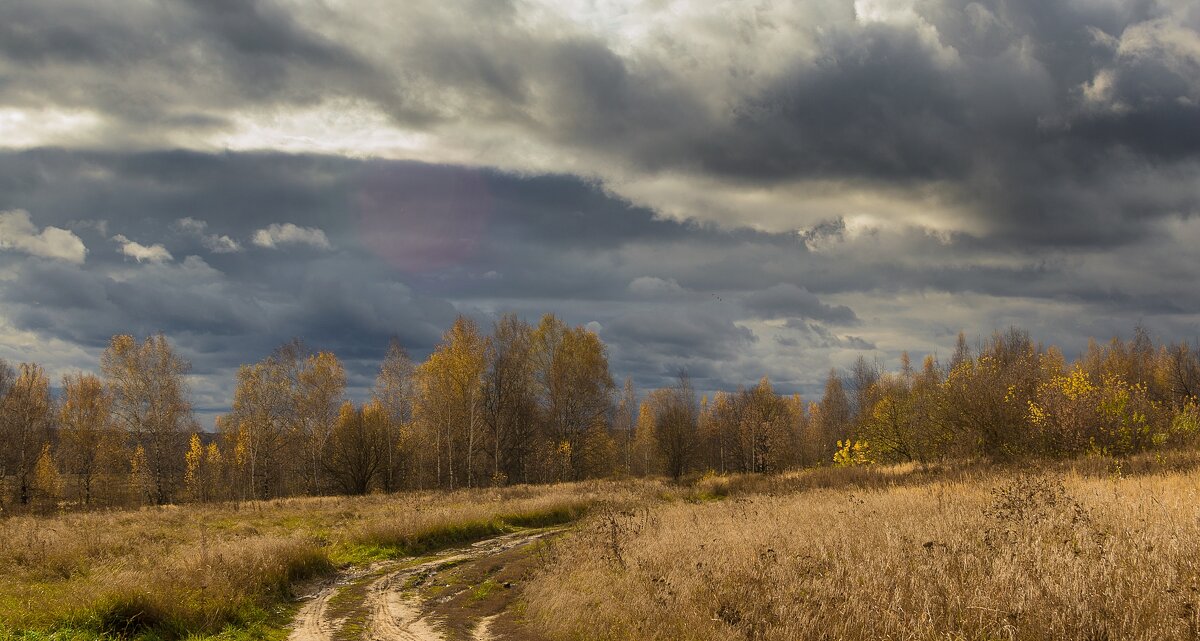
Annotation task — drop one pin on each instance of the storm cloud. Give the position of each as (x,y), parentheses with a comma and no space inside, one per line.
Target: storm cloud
(737,189)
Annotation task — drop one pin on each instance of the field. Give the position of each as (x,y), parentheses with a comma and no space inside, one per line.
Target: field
(1090,550)
(234,568)
(1058,554)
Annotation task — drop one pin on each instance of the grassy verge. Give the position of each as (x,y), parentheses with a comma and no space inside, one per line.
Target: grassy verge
(394,539)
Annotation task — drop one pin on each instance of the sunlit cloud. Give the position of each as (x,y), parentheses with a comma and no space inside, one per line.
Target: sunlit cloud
(216,243)
(155,253)
(17,232)
(278,235)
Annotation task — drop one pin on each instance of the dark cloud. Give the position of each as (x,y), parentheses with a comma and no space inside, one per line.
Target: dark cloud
(154,70)
(687,179)
(678,333)
(817,335)
(850,114)
(784,299)
(1046,123)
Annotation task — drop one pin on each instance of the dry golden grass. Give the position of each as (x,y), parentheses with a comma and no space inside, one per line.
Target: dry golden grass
(1072,552)
(1083,550)
(197,568)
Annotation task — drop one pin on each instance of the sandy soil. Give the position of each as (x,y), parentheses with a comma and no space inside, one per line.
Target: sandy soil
(382,601)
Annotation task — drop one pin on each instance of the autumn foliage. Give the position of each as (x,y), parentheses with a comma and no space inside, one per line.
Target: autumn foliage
(536,403)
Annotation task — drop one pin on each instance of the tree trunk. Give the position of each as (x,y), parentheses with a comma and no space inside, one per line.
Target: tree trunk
(471,443)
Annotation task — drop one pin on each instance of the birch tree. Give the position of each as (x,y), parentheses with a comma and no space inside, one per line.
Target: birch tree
(450,400)
(150,402)
(88,441)
(509,402)
(25,417)
(319,391)
(394,391)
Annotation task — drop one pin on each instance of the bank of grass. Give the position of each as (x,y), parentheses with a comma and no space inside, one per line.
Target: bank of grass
(230,570)
(1094,549)
(425,533)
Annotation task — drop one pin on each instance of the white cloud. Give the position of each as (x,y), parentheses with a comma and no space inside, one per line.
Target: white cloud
(288,234)
(1168,45)
(155,253)
(334,126)
(215,243)
(18,232)
(24,128)
(221,244)
(654,287)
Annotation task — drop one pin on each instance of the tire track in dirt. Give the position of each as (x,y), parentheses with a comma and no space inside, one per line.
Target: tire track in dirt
(313,622)
(483,629)
(397,616)
(393,613)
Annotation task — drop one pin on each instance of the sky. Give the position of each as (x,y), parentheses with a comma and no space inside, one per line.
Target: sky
(735,188)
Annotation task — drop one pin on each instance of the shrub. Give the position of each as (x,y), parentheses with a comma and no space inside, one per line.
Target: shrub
(851,453)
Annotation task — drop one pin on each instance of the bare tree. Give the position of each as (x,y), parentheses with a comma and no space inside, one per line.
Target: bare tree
(676,426)
(394,392)
(624,423)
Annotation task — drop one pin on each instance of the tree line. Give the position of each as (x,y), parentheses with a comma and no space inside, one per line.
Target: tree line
(536,403)
(1006,399)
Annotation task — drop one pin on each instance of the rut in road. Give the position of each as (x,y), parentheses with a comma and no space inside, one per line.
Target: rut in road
(391,614)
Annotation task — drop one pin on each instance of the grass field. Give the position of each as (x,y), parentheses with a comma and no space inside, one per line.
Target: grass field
(1090,550)
(177,571)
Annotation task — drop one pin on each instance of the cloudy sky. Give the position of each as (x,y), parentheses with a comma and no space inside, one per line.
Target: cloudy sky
(738,188)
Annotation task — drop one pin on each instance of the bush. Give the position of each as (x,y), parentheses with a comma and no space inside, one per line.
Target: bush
(1073,414)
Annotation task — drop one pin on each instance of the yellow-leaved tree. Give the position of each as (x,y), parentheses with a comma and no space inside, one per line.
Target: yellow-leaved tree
(449,402)
(204,476)
(317,398)
(150,403)
(25,416)
(90,446)
(47,483)
(1075,413)
(645,442)
(902,419)
(571,365)
(261,427)
(354,454)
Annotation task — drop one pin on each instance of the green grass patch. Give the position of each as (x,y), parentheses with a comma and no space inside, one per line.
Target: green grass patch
(449,535)
(360,553)
(349,605)
(484,590)
(383,543)
(59,634)
(546,518)
(262,625)
(254,624)
(246,602)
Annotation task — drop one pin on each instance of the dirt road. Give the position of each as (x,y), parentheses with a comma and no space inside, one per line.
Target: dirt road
(393,600)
